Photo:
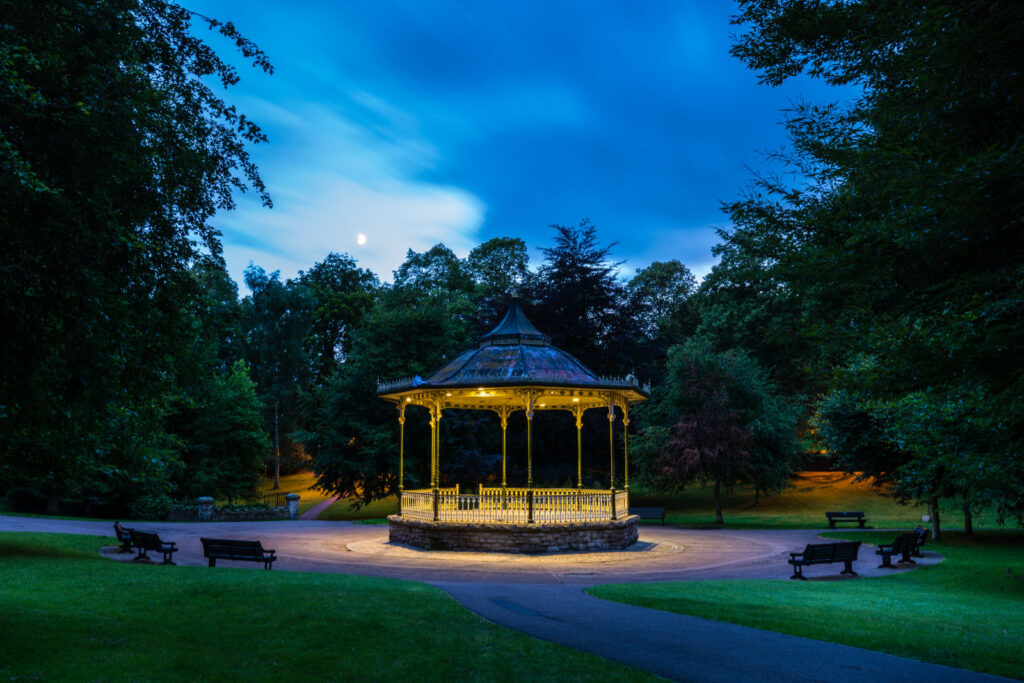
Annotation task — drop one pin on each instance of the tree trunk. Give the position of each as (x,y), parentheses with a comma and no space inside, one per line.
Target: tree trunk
(277,452)
(968,518)
(718,502)
(757,496)
(53,504)
(933,510)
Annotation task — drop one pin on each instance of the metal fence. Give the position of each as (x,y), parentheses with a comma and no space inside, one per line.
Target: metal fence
(515,505)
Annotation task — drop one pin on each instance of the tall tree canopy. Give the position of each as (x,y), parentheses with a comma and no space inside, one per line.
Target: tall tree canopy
(905,240)
(717,418)
(114,153)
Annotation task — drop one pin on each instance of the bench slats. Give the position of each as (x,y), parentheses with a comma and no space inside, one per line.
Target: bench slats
(825,553)
(230,549)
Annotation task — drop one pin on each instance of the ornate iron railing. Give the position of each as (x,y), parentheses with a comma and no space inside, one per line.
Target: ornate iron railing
(516,505)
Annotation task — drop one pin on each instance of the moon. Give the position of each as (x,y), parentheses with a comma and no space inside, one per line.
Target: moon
(360,238)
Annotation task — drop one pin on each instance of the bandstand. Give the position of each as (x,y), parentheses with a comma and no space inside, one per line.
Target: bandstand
(515,368)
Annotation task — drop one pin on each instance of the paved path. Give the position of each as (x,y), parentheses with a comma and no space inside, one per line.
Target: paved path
(543,595)
(314,512)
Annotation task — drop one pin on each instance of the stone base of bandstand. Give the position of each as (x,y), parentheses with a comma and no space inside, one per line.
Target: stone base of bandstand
(514,538)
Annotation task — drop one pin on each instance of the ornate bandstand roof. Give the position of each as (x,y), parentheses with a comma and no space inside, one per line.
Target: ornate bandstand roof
(510,363)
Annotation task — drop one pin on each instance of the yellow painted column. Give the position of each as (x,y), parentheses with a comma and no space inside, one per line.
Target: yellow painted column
(625,443)
(433,461)
(611,451)
(437,448)
(611,442)
(401,452)
(578,413)
(503,414)
(529,459)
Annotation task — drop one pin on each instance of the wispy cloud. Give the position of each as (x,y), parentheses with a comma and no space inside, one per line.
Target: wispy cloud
(336,175)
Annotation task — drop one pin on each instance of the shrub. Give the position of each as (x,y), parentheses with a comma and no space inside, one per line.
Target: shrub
(154,507)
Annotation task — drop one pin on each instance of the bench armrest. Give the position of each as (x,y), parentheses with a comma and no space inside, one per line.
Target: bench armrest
(269,552)
(795,555)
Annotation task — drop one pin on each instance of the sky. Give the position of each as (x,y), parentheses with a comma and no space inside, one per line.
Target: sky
(400,124)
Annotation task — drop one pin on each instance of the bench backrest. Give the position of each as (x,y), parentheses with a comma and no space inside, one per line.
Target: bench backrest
(648,512)
(842,515)
(230,548)
(831,552)
(904,543)
(144,539)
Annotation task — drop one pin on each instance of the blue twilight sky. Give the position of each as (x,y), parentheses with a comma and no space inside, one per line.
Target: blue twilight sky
(414,122)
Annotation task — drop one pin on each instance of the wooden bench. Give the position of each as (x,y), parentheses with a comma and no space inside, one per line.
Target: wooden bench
(649,513)
(145,541)
(834,517)
(225,549)
(825,553)
(124,537)
(903,546)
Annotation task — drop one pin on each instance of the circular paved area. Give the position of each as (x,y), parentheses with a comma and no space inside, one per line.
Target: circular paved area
(664,553)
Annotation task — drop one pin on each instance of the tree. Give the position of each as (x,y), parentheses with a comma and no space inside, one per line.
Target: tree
(500,267)
(716,419)
(277,321)
(114,153)
(578,300)
(437,269)
(658,298)
(352,435)
(223,444)
(903,237)
(343,293)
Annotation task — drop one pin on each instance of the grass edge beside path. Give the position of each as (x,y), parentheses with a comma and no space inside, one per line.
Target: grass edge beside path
(121,621)
(966,612)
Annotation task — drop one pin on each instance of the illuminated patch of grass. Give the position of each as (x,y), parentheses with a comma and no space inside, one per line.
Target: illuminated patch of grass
(302,483)
(800,506)
(343,510)
(68,614)
(967,611)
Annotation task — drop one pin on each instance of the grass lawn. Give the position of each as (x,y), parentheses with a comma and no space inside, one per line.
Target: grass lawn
(967,611)
(378,509)
(68,614)
(800,506)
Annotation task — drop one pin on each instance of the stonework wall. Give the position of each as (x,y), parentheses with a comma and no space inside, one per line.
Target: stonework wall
(191,513)
(514,538)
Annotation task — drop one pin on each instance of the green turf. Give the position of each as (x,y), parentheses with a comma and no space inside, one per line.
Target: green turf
(345,511)
(802,505)
(967,611)
(68,614)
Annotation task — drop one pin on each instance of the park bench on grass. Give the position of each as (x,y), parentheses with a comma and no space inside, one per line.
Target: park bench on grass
(649,513)
(903,545)
(226,549)
(145,541)
(124,537)
(825,553)
(834,517)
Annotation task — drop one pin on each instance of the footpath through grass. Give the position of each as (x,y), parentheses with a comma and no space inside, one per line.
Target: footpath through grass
(68,614)
(800,506)
(301,483)
(967,611)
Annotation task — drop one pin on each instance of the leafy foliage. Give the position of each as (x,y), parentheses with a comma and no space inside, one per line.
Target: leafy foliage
(115,152)
(903,245)
(716,419)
